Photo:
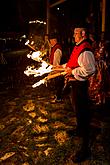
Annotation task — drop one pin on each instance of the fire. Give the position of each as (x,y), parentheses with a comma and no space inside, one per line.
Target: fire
(27,42)
(35,56)
(44,69)
(43,81)
(38,72)
(51,76)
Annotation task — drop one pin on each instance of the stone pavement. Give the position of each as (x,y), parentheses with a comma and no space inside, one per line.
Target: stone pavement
(34,132)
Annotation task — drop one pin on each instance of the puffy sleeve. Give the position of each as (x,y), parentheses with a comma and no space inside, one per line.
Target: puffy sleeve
(86,67)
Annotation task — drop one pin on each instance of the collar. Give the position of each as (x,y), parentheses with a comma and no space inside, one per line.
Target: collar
(80,41)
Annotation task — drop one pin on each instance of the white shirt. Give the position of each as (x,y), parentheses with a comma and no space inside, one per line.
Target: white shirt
(57,57)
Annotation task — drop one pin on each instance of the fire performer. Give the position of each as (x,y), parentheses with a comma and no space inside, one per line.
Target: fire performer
(81,66)
(55,59)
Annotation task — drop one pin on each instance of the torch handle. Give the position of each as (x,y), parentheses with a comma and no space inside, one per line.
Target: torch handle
(55,75)
(31,47)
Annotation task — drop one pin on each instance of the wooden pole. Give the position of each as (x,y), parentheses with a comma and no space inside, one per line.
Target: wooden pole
(48,12)
(57,3)
(103,17)
(48,15)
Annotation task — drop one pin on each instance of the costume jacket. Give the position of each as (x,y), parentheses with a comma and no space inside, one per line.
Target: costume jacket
(53,49)
(78,49)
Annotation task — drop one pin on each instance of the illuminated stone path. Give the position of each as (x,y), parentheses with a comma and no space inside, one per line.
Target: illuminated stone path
(34,132)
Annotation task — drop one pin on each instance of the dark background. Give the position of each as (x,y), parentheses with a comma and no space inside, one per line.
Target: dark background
(16,14)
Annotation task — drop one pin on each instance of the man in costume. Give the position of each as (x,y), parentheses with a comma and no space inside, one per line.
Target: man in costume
(79,68)
(55,57)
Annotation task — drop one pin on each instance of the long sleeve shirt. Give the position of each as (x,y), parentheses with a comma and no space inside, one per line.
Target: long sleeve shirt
(86,66)
(57,57)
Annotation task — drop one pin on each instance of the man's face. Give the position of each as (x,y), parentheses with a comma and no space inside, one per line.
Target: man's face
(78,35)
(53,41)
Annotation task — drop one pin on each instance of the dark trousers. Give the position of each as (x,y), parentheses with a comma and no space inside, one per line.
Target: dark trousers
(59,87)
(81,103)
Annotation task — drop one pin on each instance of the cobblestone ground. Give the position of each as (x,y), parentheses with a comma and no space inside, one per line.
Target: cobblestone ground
(33,131)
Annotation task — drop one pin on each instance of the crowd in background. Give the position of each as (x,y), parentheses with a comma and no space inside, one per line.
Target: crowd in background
(99,83)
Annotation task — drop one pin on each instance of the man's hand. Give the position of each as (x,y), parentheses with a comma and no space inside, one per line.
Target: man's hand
(58,67)
(69,72)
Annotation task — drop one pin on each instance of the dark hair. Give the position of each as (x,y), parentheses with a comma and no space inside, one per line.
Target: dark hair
(53,36)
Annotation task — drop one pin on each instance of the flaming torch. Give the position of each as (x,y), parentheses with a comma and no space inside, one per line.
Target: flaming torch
(43,81)
(38,72)
(27,43)
(45,68)
(36,55)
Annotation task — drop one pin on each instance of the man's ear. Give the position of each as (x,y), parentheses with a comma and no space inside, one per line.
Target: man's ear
(83,33)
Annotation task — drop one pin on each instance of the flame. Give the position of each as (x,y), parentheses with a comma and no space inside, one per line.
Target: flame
(43,81)
(29,71)
(32,42)
(38,72)
(27,42)
(35,56)
(39,83)
(45,67)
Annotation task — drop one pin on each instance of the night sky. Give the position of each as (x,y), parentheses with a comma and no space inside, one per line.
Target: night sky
(15,14)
